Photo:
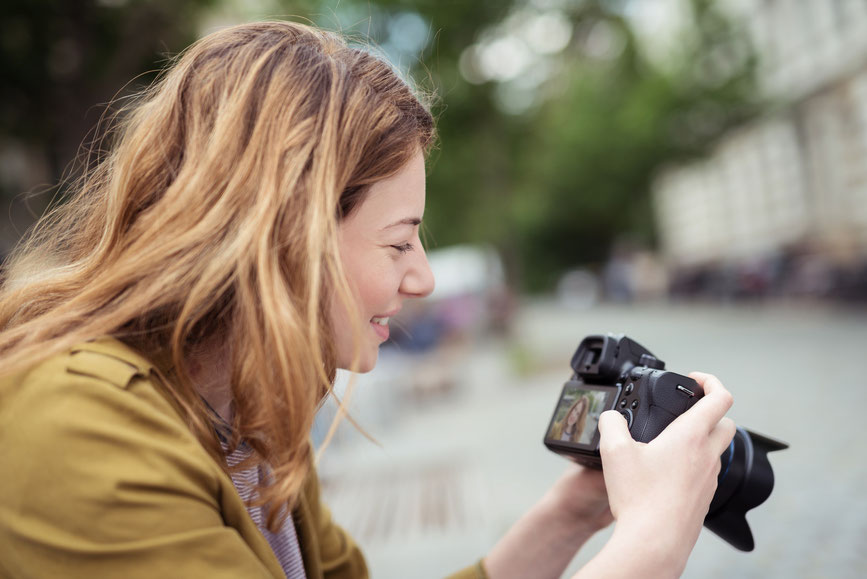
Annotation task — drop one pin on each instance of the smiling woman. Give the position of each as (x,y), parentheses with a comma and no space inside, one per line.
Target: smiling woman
(167,335)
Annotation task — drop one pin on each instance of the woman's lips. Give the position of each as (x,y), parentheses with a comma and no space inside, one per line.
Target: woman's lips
(380,326)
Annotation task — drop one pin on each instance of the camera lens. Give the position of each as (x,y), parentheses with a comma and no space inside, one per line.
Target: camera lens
(745,481)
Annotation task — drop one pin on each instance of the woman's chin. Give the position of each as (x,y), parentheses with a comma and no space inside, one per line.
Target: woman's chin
(365,363)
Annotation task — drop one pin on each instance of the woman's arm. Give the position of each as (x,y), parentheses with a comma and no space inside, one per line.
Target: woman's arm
(658,492)
(545,539)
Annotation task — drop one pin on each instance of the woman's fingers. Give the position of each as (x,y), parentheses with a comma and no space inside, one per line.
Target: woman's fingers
(715,403)
(706,420)
(722,434)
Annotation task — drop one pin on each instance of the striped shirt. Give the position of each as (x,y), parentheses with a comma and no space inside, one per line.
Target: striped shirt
(284,543)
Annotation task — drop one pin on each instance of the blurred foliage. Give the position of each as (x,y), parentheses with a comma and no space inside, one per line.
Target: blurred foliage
(62,58)
(552,185)
(557,186)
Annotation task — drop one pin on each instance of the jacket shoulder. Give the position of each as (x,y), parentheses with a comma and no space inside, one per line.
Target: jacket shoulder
(108,480)
(105,361)
(102,383)
(108,360)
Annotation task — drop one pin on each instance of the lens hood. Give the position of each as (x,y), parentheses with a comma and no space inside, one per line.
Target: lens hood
(745,481)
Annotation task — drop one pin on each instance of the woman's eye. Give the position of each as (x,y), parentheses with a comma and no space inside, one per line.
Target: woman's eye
(404,247)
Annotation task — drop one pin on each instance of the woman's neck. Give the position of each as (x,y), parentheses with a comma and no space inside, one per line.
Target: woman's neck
(210,371)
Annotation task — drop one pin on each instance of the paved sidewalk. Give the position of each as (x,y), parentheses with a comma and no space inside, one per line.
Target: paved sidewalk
(461,453)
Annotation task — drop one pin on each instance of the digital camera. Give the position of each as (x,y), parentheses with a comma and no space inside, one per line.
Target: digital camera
(613,372)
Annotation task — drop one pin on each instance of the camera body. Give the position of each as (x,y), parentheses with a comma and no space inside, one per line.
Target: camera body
(614,372)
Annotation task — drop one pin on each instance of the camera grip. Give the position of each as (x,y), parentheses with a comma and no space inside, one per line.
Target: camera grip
(657,419)
(667,396)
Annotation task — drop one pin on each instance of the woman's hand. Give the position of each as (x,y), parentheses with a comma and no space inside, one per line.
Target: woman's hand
(658,492)
(662,489)
(580,494)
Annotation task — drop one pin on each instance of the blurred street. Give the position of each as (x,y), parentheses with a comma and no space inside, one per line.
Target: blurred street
(460,433)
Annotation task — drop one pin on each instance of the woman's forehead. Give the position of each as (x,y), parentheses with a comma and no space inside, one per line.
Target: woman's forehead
(399,199)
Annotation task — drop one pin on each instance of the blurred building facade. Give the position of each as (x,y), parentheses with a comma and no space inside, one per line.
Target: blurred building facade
(784,196)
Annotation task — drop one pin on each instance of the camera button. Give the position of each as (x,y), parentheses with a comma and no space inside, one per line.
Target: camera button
(629,388)
(623,403)
(627,414)
(635,404)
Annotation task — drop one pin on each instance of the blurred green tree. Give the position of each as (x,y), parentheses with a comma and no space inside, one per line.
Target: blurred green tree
(555,184)
(552,118)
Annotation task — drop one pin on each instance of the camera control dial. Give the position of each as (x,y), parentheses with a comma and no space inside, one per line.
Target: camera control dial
(627,414)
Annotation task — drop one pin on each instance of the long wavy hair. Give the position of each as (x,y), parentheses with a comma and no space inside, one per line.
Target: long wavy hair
(215,213)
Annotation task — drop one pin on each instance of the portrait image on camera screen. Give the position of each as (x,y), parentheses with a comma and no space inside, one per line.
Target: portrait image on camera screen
(577,413)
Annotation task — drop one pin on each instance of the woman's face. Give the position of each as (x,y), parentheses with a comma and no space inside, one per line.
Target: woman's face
(575,413)
(384,262)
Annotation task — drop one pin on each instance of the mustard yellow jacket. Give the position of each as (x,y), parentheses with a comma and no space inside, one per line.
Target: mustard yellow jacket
(100,477)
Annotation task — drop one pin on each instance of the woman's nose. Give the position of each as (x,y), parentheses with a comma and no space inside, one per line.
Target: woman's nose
(419,279)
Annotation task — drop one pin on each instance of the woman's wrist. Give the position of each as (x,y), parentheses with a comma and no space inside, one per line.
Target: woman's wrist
(638,549)
(558,513)
(580,499)
(661,546)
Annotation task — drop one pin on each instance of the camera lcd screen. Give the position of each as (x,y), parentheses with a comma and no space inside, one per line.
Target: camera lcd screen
(577,413)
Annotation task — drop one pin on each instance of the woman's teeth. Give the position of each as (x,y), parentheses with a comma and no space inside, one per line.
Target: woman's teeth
(380,321)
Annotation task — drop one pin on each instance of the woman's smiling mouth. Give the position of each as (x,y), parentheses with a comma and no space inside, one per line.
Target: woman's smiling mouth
(380,326)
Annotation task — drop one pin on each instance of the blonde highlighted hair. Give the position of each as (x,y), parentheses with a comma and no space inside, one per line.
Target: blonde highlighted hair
(216,214)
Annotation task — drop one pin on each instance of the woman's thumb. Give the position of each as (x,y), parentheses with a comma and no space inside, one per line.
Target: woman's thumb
(613,428)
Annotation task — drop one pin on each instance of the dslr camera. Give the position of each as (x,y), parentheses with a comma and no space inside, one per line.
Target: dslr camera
(613,372)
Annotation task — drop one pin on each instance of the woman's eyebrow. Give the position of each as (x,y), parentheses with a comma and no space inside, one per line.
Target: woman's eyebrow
(406,221)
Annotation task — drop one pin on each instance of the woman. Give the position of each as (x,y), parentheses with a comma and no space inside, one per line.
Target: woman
(168,334)
(571,427)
